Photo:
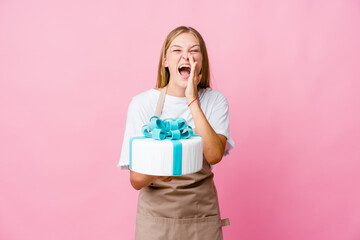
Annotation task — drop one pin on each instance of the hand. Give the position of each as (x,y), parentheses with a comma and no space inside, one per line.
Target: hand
(193,81)
(165,178)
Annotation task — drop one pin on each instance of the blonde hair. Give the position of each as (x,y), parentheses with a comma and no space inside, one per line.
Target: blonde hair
(163,72)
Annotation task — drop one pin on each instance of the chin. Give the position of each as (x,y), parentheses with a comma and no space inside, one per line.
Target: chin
(181,82)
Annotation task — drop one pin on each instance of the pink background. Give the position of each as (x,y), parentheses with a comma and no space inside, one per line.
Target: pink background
(290,70)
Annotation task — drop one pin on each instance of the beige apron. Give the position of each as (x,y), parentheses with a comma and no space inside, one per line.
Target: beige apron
(185,208)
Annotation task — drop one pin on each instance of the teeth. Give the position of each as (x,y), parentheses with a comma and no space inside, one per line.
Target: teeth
(184,65)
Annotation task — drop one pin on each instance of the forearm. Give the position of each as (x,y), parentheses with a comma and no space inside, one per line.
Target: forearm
(139,180)
(213,147)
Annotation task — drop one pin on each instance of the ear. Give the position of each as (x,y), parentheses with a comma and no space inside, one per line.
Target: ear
(165,63)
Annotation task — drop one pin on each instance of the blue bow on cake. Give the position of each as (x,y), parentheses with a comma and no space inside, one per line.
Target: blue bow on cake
(169,128)
(172,129)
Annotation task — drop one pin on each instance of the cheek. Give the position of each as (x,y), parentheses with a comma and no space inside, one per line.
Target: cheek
(170,63)
(173,61)
(199,64)
(198,59)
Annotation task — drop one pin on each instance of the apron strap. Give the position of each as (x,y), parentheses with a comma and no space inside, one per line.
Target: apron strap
(160,102)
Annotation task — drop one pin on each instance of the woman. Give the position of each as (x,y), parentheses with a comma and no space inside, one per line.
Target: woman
(181,207)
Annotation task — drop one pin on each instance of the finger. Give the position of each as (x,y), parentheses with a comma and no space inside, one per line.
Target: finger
(192,63)
(191,59)
(192,71)
(164,178)
(167,179)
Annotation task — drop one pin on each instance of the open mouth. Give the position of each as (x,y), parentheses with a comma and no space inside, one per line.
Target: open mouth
(184,71)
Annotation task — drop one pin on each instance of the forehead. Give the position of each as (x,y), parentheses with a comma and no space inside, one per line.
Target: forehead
(185,40)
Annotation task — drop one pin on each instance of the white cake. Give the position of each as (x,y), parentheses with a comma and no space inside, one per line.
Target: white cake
(156,157)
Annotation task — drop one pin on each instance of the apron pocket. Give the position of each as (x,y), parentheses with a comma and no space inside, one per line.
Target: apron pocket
(159,228)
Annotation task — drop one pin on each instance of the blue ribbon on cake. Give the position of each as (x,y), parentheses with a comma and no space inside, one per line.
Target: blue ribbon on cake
(168,128)
(172,129)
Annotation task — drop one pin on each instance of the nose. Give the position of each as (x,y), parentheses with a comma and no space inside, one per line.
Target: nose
(185,55)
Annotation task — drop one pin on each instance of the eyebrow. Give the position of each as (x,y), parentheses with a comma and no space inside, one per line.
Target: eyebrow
(190,47)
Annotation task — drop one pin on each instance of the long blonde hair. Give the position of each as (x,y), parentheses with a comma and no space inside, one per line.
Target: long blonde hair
(163,72)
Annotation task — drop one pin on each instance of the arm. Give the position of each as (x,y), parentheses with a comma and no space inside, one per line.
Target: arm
(138,180)
(213,143)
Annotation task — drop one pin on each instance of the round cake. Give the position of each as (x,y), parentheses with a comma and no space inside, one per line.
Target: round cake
(166,157)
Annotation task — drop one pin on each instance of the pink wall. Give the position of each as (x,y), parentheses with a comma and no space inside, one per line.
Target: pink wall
(290,70)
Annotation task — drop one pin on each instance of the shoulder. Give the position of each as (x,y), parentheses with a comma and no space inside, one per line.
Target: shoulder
(143,104)
(141,107)
(145,97)
(209,94)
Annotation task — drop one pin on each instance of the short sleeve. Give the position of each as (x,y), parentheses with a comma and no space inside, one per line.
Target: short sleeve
(219,120)
(135,119)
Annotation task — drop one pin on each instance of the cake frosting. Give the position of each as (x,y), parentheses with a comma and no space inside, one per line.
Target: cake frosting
(168,148)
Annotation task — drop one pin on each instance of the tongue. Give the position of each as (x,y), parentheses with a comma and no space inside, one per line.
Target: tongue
(185,73)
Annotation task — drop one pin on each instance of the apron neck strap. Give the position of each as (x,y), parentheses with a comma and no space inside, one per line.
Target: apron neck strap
(160,102)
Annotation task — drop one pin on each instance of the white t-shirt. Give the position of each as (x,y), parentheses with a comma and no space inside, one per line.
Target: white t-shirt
(142,107)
